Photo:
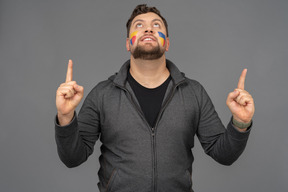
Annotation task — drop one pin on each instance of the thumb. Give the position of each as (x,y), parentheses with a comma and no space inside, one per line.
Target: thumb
(78,88)
(232,96)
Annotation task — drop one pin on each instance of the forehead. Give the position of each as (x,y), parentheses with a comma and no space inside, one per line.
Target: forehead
(147,17)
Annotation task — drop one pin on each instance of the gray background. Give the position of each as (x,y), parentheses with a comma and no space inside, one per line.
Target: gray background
(211,41)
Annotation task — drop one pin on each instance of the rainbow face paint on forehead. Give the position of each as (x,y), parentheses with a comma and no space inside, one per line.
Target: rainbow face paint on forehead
(133,37)
(162,38)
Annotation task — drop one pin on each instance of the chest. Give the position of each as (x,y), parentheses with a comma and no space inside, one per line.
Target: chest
(122,117)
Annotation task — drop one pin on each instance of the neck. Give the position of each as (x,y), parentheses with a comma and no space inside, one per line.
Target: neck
(149,73)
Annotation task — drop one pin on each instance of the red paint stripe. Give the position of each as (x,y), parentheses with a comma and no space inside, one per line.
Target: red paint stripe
(133,39)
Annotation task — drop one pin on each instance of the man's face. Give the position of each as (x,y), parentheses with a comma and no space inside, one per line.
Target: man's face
(147,39)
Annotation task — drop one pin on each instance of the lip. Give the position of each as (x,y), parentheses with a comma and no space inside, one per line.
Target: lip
(148,36)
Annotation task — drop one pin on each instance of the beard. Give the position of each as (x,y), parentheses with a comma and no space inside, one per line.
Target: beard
(141,53)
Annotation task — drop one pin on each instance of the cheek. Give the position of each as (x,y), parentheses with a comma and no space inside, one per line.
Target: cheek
(133,37)
(162,38)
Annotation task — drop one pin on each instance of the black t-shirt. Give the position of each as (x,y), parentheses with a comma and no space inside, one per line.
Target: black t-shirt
(150,100)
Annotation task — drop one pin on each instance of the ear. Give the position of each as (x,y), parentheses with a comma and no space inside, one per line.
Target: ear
(167,43)
(128,44)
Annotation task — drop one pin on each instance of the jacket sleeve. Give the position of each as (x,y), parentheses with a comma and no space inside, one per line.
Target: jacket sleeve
(223,145)
(75,141)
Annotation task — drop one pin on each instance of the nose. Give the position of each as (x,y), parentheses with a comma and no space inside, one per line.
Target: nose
(149,30)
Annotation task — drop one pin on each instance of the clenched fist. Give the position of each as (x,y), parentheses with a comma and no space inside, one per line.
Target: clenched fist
(68,96)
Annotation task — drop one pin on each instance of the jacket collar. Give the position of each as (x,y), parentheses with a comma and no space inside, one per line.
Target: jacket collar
(121,77)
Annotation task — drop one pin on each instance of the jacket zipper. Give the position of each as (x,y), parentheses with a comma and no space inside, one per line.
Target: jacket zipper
(153,129)
(169,98)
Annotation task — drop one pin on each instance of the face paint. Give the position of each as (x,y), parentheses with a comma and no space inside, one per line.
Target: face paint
(162,38)
(133,37)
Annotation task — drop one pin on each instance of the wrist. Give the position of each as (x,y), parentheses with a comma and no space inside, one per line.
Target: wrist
(65,119)
(241,125)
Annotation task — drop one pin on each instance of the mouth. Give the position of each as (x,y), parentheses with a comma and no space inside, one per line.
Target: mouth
(148,39)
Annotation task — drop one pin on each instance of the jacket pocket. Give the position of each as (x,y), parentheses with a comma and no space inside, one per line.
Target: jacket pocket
(111,180)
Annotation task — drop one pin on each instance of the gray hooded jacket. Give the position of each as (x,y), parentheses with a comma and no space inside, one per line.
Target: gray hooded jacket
(136,157)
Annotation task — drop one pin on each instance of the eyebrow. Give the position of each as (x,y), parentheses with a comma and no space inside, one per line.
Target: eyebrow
(143,21)
(157,20)
(137,21)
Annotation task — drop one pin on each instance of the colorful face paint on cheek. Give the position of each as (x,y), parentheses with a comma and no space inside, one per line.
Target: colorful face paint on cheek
(133,37)
(162,38)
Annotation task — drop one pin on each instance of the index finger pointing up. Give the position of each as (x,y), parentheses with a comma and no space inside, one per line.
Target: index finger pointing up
(69,75)
(241,82)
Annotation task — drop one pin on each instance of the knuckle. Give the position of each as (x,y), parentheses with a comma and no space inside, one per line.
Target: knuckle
(68,87)
(71,82)
(71,90)
(238,99)
(60,90)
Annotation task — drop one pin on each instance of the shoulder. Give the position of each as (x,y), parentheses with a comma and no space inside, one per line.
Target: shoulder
(194,85)
(102,87)
(194,89)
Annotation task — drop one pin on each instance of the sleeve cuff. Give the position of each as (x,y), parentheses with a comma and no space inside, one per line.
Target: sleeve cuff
(66,130)
(235,133)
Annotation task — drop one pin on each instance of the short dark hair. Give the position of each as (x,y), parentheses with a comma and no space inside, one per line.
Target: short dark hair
(142,9)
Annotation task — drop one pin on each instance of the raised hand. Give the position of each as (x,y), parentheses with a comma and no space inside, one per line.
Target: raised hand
(68,96)
(240,102)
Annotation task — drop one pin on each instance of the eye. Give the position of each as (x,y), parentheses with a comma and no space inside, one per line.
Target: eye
(139,25)
(156,25)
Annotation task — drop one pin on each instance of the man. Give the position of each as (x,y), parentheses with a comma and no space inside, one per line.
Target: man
(146,117)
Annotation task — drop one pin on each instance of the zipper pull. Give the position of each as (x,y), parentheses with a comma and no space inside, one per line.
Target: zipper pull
(153,131)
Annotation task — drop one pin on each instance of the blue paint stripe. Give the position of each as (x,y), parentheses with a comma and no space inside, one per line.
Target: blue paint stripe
(161,35)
